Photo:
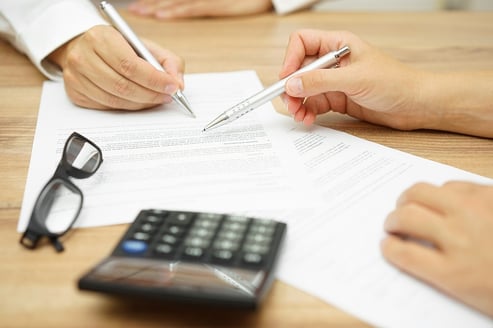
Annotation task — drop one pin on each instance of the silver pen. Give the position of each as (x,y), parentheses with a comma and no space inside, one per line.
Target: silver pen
(269,93)
(118,22)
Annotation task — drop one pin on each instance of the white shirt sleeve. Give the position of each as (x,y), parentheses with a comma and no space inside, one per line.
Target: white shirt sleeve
(287,6)
(38,27)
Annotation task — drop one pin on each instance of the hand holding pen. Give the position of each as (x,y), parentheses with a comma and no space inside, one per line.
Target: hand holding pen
(117,21)
(95,78)
(269,93)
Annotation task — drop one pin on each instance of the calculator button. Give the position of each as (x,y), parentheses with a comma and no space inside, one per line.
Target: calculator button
(201,232)
(193,252)
(222,255)
(144,236)
(258,239)
(169,239)
(252,258)
(225,244)
(197,242)
(164,249)
(237,218)
(175,230)
(210,216)
(181,219)
(134,246)
(239,227)
(262,229)
(153,219)
(206,223)
(230,235)
(256,248)
(148,227)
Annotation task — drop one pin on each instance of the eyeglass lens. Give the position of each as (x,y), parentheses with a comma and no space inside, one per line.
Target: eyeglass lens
(82,155)
(58,206)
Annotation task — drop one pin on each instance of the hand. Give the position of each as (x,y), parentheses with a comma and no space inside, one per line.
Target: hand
(102,71)
(368,85)
(457,220)
(168,9)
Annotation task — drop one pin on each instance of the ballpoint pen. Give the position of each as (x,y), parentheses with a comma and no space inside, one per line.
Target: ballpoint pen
(269,93)
(117,21)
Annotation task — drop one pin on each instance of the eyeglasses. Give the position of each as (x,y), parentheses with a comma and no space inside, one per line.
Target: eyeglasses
(60,201)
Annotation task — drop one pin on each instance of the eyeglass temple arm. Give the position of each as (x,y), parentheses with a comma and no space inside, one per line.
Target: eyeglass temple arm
(29,239)
(57,244)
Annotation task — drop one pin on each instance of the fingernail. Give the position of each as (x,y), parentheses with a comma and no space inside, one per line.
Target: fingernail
(170,89)
(294,86)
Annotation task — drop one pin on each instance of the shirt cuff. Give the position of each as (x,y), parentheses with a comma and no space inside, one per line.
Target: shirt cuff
(283,7)
(55,26)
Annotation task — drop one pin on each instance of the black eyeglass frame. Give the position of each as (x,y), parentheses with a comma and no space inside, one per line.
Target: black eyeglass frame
(35,230)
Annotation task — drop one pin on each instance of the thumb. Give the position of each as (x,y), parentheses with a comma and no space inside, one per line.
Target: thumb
(318,81)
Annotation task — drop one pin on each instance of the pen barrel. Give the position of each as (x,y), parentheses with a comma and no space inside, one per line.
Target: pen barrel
(269,93)
(117,21)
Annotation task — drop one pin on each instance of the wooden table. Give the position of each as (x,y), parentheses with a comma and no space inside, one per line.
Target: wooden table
(38,288)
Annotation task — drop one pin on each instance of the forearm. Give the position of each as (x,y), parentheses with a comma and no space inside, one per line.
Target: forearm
(459,102)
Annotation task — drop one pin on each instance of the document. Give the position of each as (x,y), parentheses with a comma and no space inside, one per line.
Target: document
(160,158)
(333,251)
(333,189)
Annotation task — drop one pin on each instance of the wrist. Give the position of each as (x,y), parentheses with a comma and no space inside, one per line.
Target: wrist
(458,102)
(59,55)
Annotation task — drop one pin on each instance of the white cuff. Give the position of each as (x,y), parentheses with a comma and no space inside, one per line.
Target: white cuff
(53,27)
(287,6)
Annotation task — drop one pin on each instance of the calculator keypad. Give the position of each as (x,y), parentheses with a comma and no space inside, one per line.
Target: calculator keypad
(231,240)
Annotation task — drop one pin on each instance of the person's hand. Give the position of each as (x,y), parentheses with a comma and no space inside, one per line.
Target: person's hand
(444,236)
(368,85)
(102,71)
(169,9)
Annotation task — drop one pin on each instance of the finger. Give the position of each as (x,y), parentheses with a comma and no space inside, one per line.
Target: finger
(113,87)
(292,104)
(321,81)
(145,7)
(433,197)
(187,9)
(418,223)
(117,54)
(306,43)
(127,95)
(300,114)
(172,63)
(88,95)
(422,262)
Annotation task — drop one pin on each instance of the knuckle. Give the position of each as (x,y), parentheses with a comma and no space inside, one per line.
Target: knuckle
(127,67)
(74,59)
(123,87)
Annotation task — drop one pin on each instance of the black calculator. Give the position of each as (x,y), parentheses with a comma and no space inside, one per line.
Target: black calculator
(192,257)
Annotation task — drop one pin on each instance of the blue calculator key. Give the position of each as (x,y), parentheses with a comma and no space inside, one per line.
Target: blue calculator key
(134,246)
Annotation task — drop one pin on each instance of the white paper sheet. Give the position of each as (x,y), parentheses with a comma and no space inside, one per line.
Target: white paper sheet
(334,190)
(333,251)
(161,158)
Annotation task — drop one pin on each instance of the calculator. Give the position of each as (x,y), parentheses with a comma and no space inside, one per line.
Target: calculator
(198,257)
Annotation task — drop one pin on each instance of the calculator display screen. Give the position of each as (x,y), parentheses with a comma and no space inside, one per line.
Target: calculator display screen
(179,276)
